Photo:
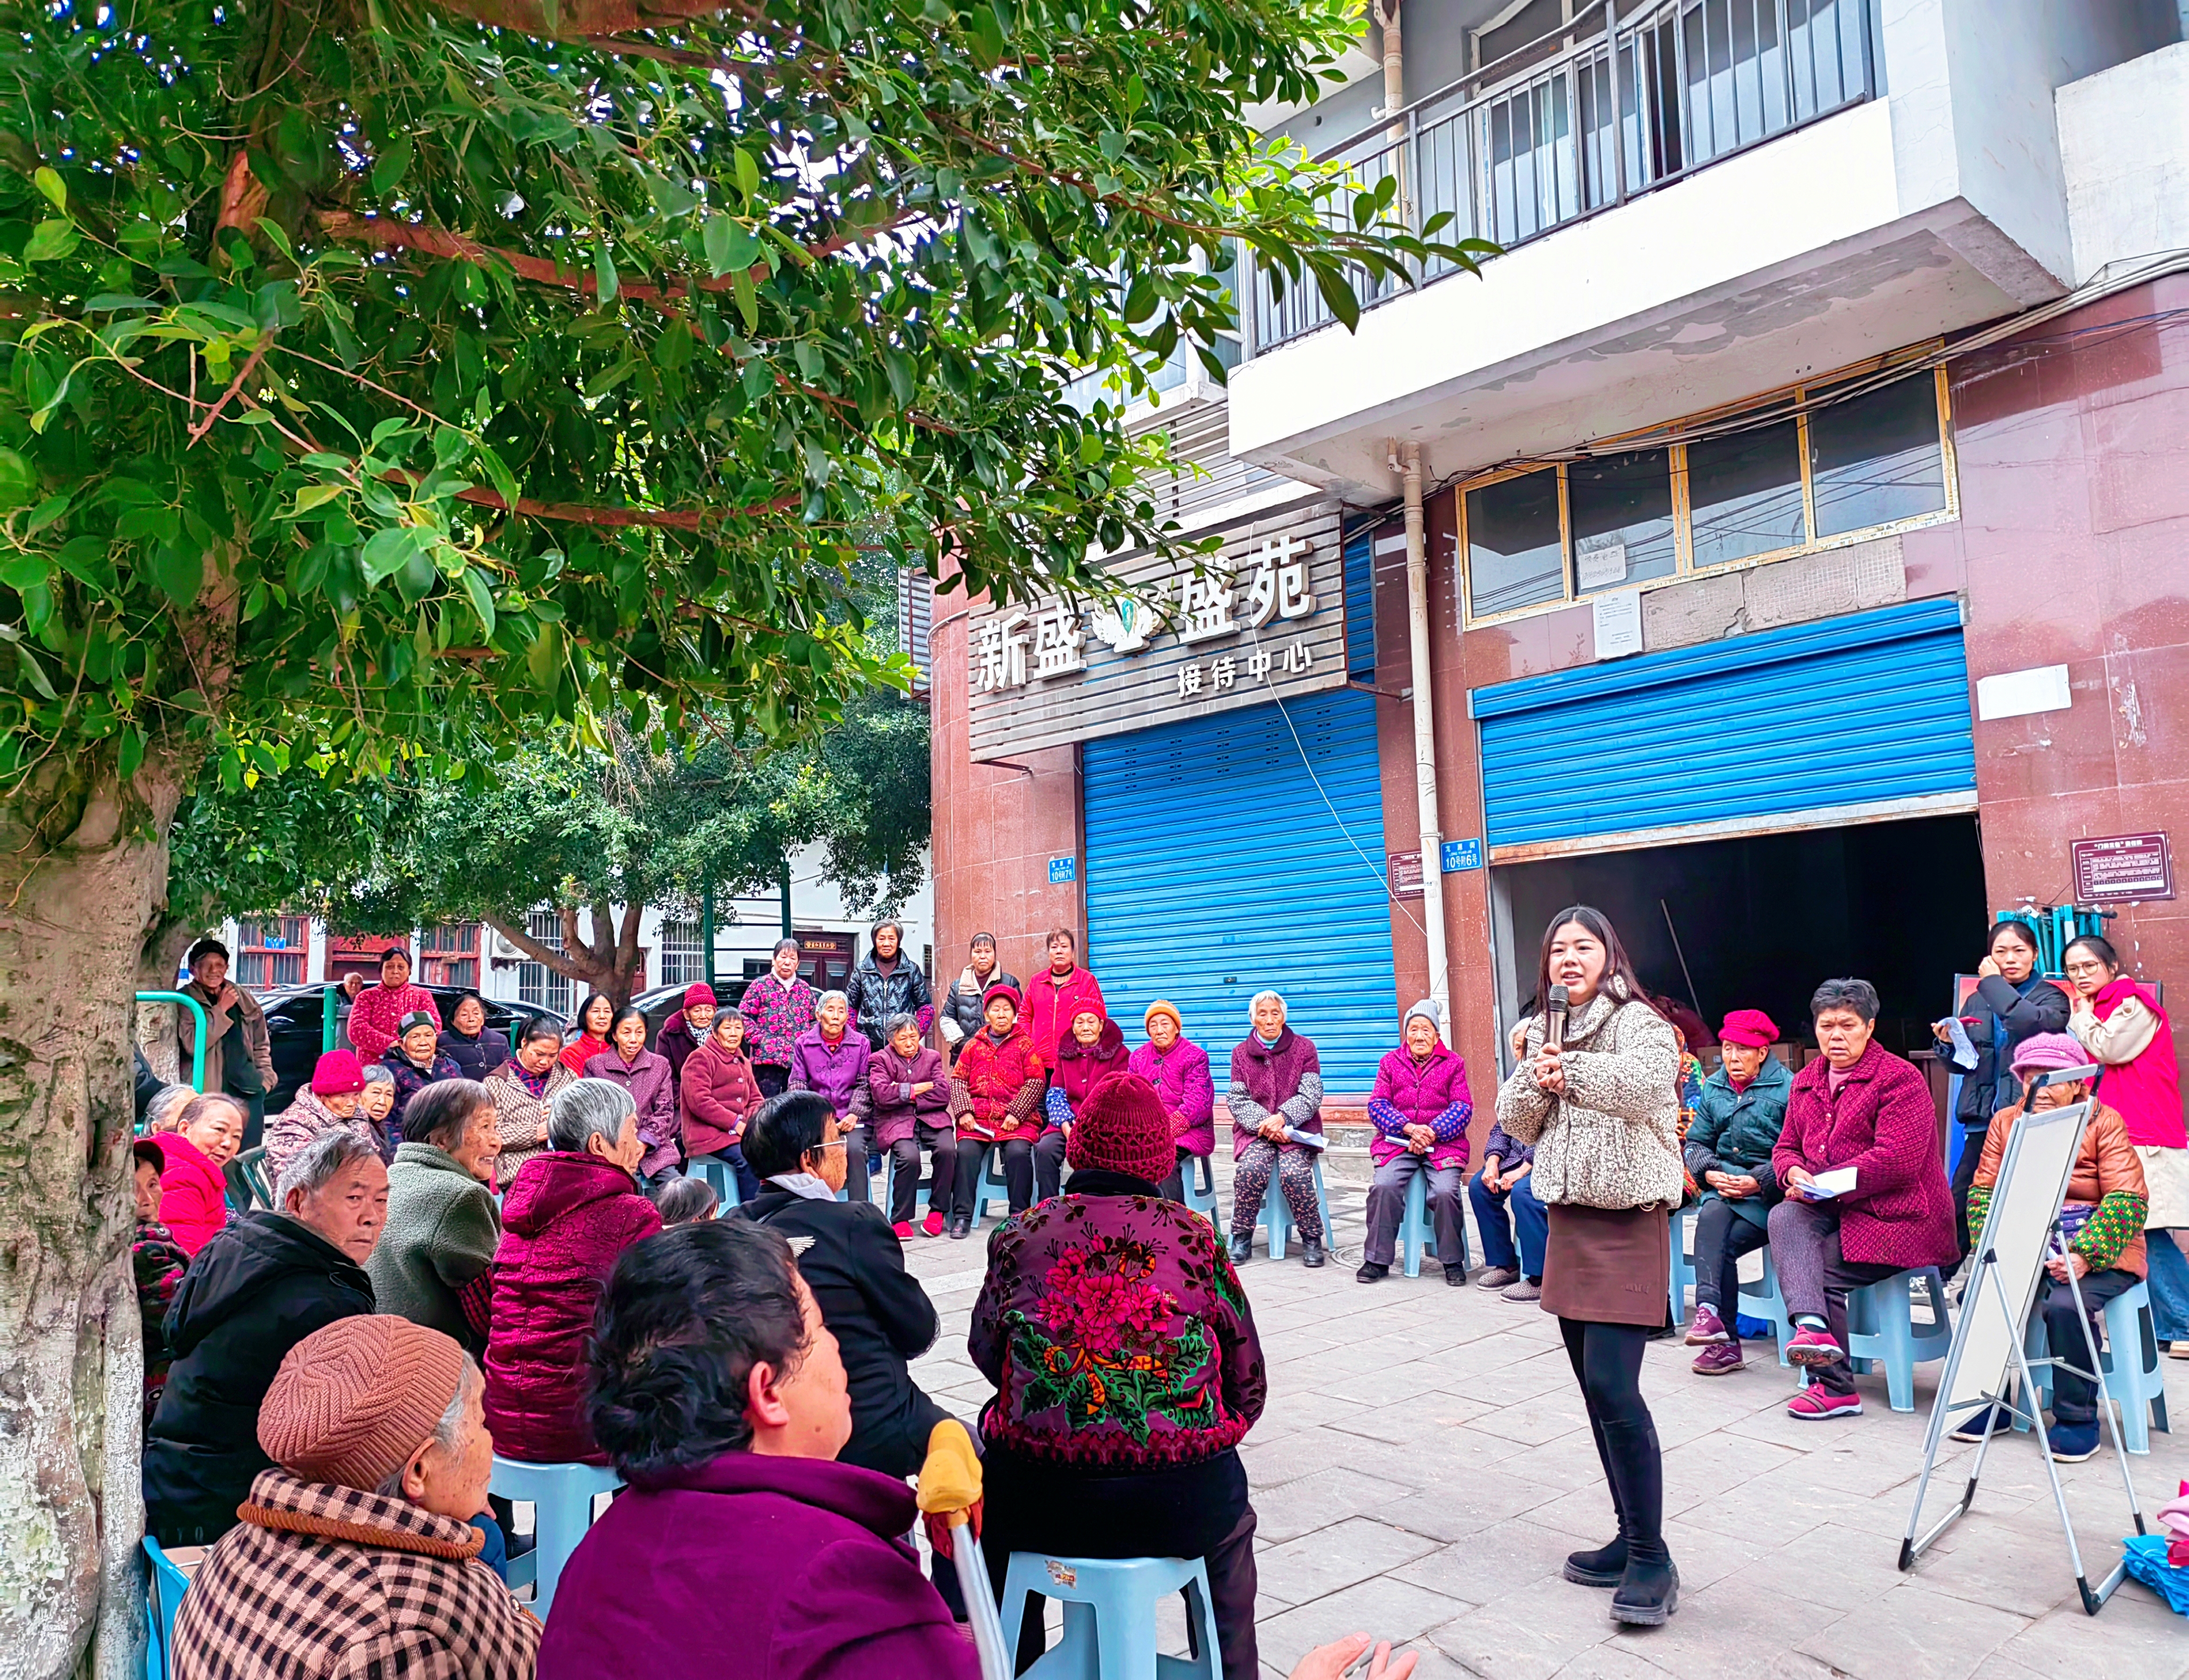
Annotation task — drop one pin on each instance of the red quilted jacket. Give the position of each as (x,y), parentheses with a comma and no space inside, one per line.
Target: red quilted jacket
(718,1095)
(563,1222)
(996,1089)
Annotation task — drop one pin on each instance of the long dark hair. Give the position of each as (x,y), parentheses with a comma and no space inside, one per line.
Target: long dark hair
(1616,962)
(578,1028)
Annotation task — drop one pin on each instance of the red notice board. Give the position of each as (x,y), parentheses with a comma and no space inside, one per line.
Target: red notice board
(2121,867)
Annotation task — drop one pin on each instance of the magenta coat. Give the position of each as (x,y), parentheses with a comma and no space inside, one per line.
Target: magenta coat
(890,1080)
(669,1583)
(1180,1077)
(652,1084)
(838,1071)
(1417,1091)
(1883,1124)
(717,1093)
(565,1219)
(193,1193)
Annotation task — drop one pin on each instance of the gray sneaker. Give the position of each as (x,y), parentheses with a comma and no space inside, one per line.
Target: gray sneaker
(1523,1291)
(1497,1278)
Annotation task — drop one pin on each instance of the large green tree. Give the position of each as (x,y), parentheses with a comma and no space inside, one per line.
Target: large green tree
(384,376)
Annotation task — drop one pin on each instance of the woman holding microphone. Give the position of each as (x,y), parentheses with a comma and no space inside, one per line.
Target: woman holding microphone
(1594,1092)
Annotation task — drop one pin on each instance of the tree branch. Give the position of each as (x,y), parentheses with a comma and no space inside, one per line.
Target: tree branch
(545,955)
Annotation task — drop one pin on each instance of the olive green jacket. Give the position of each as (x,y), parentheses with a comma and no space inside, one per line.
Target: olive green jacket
(440,1236)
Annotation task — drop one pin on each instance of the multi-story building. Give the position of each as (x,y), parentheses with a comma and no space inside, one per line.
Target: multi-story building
(1800,500)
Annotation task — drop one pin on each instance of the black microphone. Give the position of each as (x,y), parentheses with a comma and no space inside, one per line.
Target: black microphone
(1554,1019)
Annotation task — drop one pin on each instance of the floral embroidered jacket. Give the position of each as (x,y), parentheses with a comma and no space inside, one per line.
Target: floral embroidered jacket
(1115,1331)
(775,1014)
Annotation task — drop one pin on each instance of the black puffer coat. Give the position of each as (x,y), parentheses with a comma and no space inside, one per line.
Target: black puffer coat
(875,996)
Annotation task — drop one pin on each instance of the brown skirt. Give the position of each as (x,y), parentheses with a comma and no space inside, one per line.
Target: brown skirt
(1609,1266)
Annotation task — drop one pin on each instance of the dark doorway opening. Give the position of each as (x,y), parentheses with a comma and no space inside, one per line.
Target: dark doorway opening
(1762,920)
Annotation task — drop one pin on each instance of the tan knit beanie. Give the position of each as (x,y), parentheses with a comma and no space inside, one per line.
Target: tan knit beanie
(353,1401)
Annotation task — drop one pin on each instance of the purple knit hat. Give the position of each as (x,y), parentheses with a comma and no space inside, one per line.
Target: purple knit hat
(1123,1128)
(2043,1052)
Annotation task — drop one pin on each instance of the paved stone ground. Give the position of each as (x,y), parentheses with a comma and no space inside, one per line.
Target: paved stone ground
(1424,1466)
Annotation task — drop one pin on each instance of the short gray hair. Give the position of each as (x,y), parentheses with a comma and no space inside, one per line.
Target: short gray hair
(1255,1003)
(317,1165)
(447,1434)
(899,1022)
(836,996)
(166,1107)
(588,1108)
(1858,995)
(379,1073)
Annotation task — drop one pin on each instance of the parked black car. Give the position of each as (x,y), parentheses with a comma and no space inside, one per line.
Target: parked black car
(660,1002)
(296,1022)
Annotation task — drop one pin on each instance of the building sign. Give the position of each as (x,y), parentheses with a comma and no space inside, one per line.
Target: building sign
(2121,867)
(1261,619)
(1460,855)
(1404,872)
(1063,869)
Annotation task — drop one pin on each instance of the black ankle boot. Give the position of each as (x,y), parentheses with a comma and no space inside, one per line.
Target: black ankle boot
(1606,1566)
(1649,1593)
(1310,1254)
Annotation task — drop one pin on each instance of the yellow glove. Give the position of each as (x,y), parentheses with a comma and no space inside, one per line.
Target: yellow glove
(950,1479)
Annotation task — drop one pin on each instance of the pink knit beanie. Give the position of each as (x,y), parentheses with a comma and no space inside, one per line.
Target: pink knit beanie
(353,1400)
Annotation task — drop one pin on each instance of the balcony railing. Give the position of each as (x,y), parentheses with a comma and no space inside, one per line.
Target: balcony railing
(1643,99)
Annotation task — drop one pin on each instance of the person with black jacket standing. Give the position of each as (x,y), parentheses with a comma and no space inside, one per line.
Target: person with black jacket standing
(964,1010)
(853,1263)
(2012,1002)
(255,1291)
(888,983)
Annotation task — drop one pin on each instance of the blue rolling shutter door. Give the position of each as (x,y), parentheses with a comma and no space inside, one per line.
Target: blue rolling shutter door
(1214,869)
(1863,710)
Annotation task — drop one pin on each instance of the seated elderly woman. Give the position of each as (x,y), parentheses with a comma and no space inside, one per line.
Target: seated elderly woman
(356,1553)
(1276,1101)
(208,1130)
(570,1213)
(254,1292)
(430,1265)
(908,1096)
(523,1089)
(328,1104)
(1728,1150)
(1090,1048)
(1178,1070)
(831,1058)
(416,1060)
(375,1104)
(1420,1109)
(1858,1105)
(718,1394)
(2103,1220)
(1127,1371)
(996,1094)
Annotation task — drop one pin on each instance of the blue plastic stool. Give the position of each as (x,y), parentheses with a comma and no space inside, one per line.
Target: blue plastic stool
(1110,1615)
(1278,1217)
(1684,1269)
(1882,1331)
(921,1199)
(165,1587)
(561,1497)
(1417,1238)
(722,1177)
(1771,1304)
(2139,1388)
(1198,1175)
(990,1177)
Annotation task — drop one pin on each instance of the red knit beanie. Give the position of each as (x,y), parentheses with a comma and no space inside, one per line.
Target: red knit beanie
(354,1400)
(1123,1128)
(337,1072)
(699,995)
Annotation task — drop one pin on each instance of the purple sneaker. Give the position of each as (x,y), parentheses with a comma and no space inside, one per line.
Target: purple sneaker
(1717,1358)
(1813,1347)
(1707,1329)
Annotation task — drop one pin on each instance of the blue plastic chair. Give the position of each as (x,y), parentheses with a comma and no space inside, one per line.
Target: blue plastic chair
(1882,1331)
(2136,1383)
(1416,1237)
(165,1585)
(1278,1216)
(989,1184)
(1684,1269)
(561,1497)
(1198,1175)
(722,1176)
(1109,1607)
(1771,1303)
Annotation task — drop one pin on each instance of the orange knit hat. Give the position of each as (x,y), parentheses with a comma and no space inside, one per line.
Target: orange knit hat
(353,1401)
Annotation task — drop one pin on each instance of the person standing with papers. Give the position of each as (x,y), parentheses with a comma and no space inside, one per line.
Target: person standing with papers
(1866,1193)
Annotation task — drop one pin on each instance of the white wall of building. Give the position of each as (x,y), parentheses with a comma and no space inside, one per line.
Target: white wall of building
(2124,138)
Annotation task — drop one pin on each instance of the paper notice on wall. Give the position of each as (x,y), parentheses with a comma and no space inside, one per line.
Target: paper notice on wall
(1600,561)
(1618,623)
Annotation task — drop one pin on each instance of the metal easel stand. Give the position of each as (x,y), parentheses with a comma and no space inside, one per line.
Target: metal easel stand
(1911,1548)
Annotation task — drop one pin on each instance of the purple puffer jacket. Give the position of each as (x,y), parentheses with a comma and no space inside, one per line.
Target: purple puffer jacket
(1180,1077)
(1116,1332)
(652,1083)
(563,1222)
(862,1610)
(1421,1091)
(1285,1077)
(837,1071)
(1509,1153)
(890,1080)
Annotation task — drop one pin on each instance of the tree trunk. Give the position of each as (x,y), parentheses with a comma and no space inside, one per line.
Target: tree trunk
(595,964)
(83,867)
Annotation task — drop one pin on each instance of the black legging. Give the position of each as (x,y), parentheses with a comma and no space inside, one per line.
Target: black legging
(1607,1362)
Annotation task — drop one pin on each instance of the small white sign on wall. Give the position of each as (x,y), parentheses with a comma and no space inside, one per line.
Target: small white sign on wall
(2019,694)
(1600,561)
(1618,623)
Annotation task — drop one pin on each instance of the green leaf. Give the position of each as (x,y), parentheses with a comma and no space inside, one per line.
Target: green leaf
(475,586)
(604,272)
(19,482)
(741,288)
(987,41)
(33,672)
(50,184)
(1330,280)
(386,552)
(748,173)
(50,240)
(391,164)
(315,495)
(179,569)
(85,559)
(498,474)
(132,752)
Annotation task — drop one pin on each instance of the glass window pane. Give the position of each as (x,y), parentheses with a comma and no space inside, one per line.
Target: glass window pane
(1745,494)
(1515,557)
(1877,458)
(1621,509)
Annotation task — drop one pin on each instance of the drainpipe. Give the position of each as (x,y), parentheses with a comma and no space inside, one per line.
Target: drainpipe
(1395,98)
(1406,459)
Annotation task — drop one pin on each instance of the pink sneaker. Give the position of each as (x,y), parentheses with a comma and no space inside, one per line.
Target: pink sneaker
(1719,1358)
(1813,1347)
(933,1223)
(1816,1402)
(1707,1328)
(903,1230)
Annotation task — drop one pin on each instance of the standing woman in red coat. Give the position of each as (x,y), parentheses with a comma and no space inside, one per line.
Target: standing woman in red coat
(1857,1106)
(1059,992)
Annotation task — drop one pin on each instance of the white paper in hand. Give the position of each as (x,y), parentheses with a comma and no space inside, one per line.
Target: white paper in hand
(1825,1185)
